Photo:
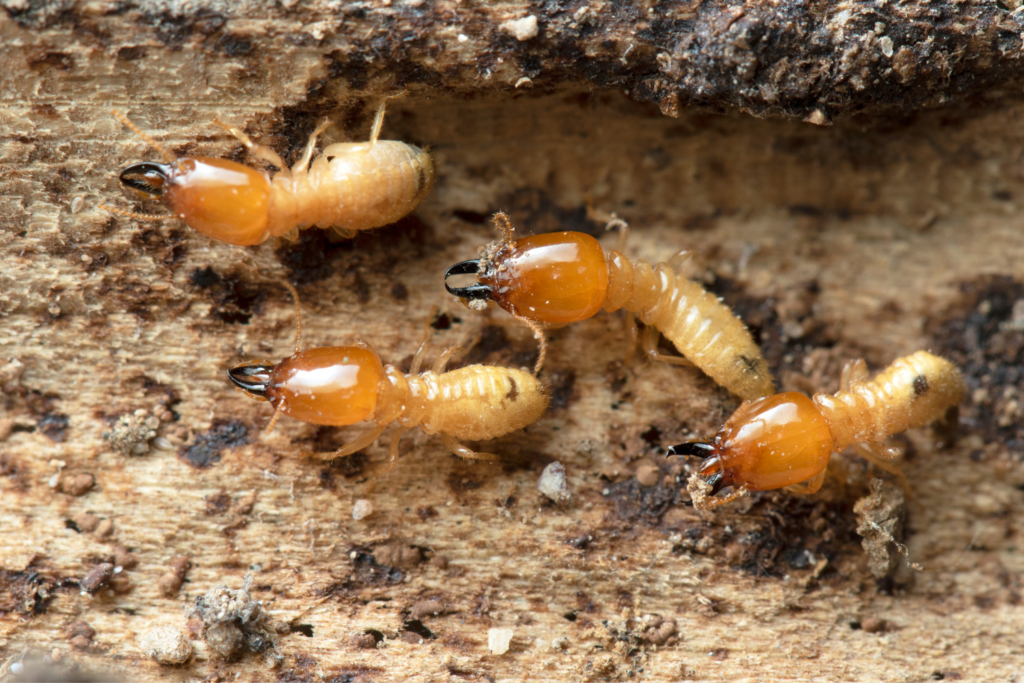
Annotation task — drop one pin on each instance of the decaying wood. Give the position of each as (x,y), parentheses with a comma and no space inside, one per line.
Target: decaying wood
(134,481)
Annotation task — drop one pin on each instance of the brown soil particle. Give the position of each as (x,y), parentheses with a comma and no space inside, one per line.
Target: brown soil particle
(79,634)
(426,608)
(170,582)
(121,584)
(97,577)
(659,631)
(124,558)
(77,484)
(363,641)
(398,555)
(232,621)
(648,475)
(86,521)
(105,528)
(874,625)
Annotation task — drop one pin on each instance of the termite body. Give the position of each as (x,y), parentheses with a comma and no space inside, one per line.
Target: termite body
(565,277)
(351,187)
(787,439)
(345,385)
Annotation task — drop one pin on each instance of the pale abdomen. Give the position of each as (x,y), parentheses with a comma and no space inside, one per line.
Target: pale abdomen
(483,402)
(708,333)
(354,186)
(911,392)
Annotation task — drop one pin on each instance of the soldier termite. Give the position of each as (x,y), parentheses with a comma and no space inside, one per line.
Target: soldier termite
(564,277)
(343,385)
(353,186)
(787,439)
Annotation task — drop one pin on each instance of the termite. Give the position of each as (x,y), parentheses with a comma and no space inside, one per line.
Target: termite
(344,385)
(351,187)
(787,439)
(565,277)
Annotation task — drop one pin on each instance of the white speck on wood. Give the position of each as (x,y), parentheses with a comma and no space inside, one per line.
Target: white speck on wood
(522,29)
(553,483)
(361,509)
(498,640)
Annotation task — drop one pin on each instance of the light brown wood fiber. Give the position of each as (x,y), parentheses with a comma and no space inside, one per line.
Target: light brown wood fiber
(873,238)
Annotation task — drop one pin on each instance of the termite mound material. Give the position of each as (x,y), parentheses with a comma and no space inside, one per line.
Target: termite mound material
(894,229)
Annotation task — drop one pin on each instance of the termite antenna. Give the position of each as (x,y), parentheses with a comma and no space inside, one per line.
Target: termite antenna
(503,225)
(273,420)
(298,314)
(168,157)
(137,216)
(538,334)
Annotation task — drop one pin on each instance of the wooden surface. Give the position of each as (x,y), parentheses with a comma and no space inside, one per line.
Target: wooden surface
(874,237)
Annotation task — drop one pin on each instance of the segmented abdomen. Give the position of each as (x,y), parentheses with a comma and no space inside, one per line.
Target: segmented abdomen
(362,187)
(911,392)
(484,402)
(701,327)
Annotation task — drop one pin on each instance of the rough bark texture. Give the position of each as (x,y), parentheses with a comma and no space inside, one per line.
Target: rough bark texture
(122,445)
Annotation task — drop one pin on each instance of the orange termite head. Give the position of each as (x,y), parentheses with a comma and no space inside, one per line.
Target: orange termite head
(711,471)
(253,378)
(556,278)
(766,444)
(222,199)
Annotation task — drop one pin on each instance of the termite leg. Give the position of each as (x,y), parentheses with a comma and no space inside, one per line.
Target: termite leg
(442,360)
(342,233)
(357,444)
(463,452)
(417,360)
(650,346)
(392,459)
(679,258)
(611,222)
(378,120)
(262,151)
(307,154)
(879,454)
(854,372)
(806,488)
(713,502)
(298,314)
(623,227)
